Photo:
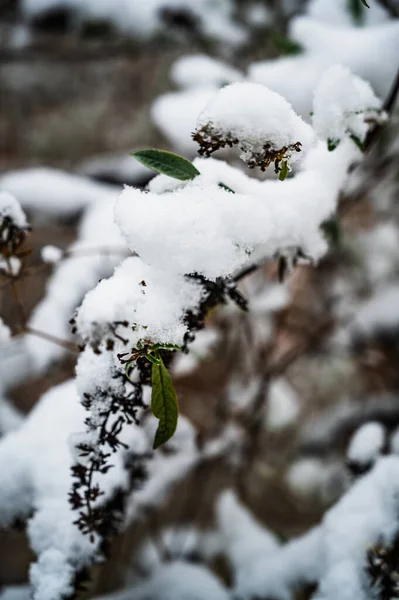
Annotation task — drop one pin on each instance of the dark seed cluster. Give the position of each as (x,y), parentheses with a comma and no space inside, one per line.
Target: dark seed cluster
(120,408)
(211,140)
(11,236)
(383,570)
(215,293)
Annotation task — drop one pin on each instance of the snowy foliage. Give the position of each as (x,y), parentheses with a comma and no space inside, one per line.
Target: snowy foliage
(151,267)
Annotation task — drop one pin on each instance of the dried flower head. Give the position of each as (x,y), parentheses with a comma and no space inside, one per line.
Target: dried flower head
(13,224)
(260,122)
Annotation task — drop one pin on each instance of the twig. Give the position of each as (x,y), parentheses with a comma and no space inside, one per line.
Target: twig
(391,7)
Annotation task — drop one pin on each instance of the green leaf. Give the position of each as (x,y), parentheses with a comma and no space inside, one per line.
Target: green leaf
(358,142)
(226,188)
(357,11)
(332,144)
(155,360)
(283,171)
(166,347)
(164,404)
(167,163)
(284,45)
(365,3)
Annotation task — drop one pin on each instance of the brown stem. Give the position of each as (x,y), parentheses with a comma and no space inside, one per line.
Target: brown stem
(52,338)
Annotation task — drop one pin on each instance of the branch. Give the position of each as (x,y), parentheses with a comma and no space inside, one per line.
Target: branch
(391,7)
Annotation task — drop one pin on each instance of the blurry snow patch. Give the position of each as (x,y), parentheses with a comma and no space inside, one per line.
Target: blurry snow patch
(369,52)
(199,350)
(394,441)
(15,592)
(243,537)
(179,581)
(333,554)
(10,417)
(10,266)
(51,254)
(258,15)
(94,255)
(242,394)
(277,572)
(379,248)
(342,105)
(338,13)
(10,207)
(307,475)
(366,444)
(5,332)
(116,168)
(282,405)
(270,298)
(379,313)
(135,18)
(175,115)
(200,70)
(49,193)
(182,543)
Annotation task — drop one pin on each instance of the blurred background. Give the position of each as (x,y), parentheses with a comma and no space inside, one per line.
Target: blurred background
(83,83)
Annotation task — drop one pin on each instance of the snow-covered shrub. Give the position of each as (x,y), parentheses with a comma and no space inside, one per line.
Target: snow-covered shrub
(92,460)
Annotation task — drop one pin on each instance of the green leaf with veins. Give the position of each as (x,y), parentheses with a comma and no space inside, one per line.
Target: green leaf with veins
(164,404)
(166,163)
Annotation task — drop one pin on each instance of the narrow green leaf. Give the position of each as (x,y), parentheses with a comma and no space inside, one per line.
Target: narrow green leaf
(166,347)
(358,142)
(332,144)
(365,3)
(283,171)
(164,404)
(356,8)
(155,360)
(167,163)
(226,188)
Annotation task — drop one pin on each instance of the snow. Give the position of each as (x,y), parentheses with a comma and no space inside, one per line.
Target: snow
(35,477)
(49,193)
(342,104)
(242,536)
(156,307)
(98,249)
(10,207)
(197,70)
(369,52)
(217,232)
(275,574)
(306,476)
(175,114)
(255,116)
(366,444)
(51,254)
(179,581)
(379,313)
(334,553)
(201,349)
(10,417)
(10,266)
(282,405)
(337,13)
(5,332)
(136,19)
